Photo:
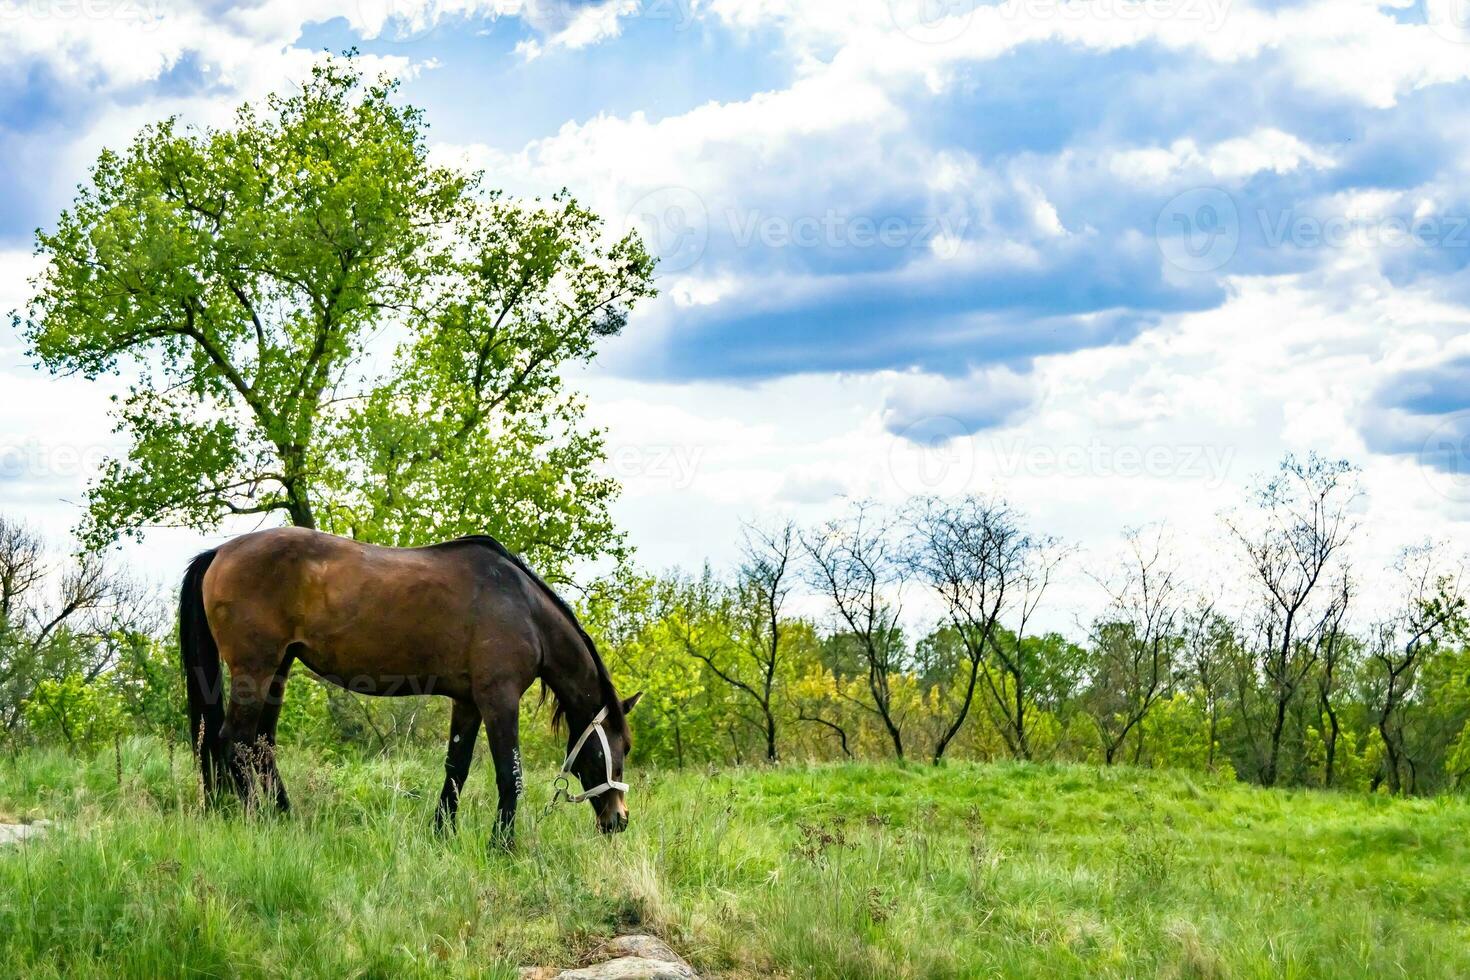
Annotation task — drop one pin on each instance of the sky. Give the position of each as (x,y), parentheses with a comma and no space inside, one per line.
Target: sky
(1109,260)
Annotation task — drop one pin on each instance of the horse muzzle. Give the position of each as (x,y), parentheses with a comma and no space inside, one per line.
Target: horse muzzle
(613,819)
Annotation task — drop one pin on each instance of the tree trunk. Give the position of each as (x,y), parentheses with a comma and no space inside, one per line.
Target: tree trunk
(964,712)
(1022,746)
(1214,736)
(841,732)
(1390,757)
(880,701)
(842,740)
(894,734)
(298,505)
(296,485)
(770,735)
(1334,729)
(1273,754)
(1385,731)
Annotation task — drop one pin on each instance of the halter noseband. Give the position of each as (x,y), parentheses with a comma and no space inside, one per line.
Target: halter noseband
(561,779)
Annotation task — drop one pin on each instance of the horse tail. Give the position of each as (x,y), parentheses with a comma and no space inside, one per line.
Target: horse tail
(199,655)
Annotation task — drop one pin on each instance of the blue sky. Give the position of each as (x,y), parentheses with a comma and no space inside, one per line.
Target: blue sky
(1109,259)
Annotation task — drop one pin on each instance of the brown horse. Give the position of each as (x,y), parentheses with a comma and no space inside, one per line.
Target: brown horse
(466,620)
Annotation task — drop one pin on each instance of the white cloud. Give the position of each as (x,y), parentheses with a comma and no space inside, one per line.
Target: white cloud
(1264,150)
(1353,48)
(928,409)
(1171,423)
(1171,426)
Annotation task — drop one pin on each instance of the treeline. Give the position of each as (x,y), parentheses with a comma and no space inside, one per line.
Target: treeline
(1296,678)
(811,648)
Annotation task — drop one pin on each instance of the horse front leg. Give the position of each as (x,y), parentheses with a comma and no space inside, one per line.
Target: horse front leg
(464,728)
(504,722)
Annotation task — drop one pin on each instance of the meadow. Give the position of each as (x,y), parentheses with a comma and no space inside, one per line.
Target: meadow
(850,870)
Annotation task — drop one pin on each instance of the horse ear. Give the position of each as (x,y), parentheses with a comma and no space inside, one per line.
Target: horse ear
(632,702)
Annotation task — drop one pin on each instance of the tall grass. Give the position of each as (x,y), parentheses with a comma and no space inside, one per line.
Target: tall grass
(831,871)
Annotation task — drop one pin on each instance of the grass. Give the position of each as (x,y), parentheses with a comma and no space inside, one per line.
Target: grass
(829,871)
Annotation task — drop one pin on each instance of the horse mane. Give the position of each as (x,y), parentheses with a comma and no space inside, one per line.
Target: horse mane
(604,678)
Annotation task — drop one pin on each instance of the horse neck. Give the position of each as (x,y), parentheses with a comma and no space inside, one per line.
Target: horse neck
(574,678)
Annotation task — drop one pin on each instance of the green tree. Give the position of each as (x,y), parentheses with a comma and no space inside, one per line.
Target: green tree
(321,324)
(1136,645)
(1294,545)
(148,683)
(76,711)
(738,631)
(1432,613)
(1021,664)
(636,623)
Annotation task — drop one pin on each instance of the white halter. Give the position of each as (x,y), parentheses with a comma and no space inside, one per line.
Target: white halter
(566,767)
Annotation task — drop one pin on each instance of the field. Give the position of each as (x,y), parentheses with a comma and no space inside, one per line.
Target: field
(832,871)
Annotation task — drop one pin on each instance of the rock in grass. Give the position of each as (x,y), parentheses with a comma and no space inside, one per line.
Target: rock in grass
(632,968)
(14,833)
(623,958)
(646,947)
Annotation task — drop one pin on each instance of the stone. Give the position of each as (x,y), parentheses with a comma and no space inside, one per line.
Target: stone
(646,947)
(624,958)
(14,833)
(631,968)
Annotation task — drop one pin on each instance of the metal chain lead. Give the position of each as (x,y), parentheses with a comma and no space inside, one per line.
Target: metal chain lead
(559,792)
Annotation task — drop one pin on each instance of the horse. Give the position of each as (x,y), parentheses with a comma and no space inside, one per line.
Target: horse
(467,620)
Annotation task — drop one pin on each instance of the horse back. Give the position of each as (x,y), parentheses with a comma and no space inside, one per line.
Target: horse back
(457,618)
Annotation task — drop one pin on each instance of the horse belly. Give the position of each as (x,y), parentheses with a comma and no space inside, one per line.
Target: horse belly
(381,641)
(381,676)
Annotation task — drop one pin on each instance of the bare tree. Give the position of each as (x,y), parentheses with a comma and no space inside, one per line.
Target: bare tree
(855,566)
(1018,664)
(752,667)
(88,601)
(1334,645)
(22,566)
(1136,642)
(970,553)
(1432,606)
(1292,550)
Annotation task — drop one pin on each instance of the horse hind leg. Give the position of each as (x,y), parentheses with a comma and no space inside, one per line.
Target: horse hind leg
(251,757)
(464,728)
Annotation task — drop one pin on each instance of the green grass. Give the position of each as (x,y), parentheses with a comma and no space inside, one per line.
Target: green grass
(832,871)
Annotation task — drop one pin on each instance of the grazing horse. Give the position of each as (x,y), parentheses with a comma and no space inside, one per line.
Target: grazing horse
(466,620)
